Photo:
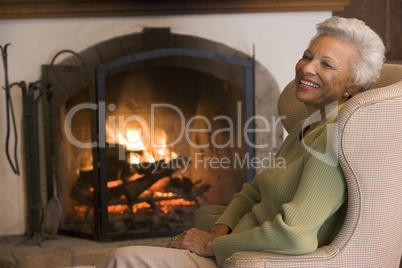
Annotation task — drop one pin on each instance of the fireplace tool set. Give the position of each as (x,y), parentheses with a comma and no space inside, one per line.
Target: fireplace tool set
(31,95)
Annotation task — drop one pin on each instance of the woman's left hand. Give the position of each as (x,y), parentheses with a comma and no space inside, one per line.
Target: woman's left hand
(196,241)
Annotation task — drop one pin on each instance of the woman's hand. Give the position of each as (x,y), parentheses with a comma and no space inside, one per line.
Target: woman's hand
(196,241)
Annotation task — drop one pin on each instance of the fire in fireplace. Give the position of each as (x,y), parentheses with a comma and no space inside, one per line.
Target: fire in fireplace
(144,139)
(146,187)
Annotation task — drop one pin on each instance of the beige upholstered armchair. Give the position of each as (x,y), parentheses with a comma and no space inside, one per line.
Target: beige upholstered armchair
(369,144)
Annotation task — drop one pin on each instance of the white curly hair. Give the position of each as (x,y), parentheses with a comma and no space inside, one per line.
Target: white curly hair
(369,46)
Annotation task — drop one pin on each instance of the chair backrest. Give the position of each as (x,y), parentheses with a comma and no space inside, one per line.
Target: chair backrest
(369,145)
(368,139)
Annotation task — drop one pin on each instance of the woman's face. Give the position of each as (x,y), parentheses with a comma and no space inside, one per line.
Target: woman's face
(323,73)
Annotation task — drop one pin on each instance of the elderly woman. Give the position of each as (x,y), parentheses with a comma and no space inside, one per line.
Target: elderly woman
(301,207)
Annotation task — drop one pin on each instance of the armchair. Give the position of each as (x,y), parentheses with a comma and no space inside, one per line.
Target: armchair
(368,140)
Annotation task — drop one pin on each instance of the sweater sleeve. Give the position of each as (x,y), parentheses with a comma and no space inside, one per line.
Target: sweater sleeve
(320,193)
(241,204)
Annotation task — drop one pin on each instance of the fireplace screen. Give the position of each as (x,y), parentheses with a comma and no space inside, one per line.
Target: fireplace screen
(142,141)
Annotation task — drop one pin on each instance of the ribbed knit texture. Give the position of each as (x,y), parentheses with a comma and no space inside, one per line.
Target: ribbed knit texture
(292,208)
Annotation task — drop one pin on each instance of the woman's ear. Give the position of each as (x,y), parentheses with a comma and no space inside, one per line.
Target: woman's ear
(353,90)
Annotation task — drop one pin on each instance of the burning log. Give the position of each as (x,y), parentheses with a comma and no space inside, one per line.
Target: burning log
(118,169)
(180,185)
(189,196)
(133,189)
(82,190)
(147,168)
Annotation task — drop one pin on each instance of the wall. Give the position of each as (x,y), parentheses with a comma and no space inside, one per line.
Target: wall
(385,18)
(279,39)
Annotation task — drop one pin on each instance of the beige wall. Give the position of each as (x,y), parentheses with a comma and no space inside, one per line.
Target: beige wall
(279,39)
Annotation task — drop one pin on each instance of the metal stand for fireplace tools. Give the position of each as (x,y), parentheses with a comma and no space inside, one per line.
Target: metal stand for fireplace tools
(30,98)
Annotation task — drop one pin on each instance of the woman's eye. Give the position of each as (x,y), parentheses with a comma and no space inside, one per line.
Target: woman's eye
(305,57)
(326,64)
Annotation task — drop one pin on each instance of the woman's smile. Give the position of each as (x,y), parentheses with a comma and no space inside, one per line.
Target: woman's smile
(307,84)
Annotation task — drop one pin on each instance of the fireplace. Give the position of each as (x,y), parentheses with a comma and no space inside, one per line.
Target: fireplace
(144,129)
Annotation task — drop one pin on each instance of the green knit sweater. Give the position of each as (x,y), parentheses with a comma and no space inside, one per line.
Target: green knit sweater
(291,209)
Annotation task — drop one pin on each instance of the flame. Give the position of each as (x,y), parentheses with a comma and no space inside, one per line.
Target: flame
(80,208)
(136,158)
(131,138)
(160,194)
(165,206)
(141,205)
(117,209)
(163,151)
(111,184)
(168,205)
(160,152)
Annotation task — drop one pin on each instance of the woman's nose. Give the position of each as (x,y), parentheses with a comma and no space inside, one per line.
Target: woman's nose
(310,68)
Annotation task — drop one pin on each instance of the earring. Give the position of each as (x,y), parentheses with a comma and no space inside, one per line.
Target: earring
(346,94)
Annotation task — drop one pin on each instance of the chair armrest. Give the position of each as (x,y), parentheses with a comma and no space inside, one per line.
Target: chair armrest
(205,217)
(253,259)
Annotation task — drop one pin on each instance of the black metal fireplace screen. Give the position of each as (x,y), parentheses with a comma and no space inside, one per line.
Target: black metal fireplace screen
(95,189)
